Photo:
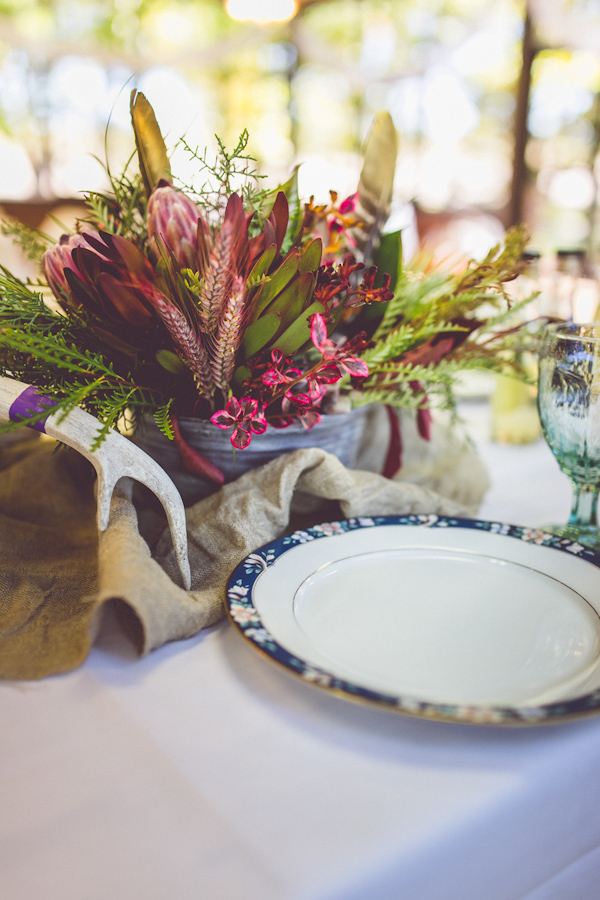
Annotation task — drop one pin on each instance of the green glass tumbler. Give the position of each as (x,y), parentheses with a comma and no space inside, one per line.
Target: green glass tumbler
(569,408)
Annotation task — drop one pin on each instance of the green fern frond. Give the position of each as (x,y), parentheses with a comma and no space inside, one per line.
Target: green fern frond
(162,418)
(394,344)
(417,294)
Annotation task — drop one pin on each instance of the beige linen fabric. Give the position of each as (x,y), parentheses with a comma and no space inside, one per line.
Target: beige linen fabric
(56,572)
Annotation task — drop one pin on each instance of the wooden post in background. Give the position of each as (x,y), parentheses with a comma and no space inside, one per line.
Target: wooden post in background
(520,131)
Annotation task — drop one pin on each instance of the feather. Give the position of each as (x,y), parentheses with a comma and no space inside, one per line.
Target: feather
(376,183)
(152,152)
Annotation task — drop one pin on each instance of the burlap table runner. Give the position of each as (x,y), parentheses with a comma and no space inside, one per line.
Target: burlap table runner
(56,573)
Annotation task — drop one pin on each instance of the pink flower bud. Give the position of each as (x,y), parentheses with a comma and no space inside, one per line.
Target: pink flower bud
(173,218)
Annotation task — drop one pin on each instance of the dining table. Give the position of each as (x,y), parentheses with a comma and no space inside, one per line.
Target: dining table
(204,772)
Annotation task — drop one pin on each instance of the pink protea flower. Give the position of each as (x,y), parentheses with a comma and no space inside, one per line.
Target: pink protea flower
(112,279)
(174,218)
(60,257)
(244,417)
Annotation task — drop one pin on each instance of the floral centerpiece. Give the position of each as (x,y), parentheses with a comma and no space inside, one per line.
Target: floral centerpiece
(243,306)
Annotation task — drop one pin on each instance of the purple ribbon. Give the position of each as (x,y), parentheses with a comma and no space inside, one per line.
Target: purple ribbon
(31,402)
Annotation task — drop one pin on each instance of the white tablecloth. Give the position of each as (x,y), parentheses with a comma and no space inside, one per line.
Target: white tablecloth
(204,773)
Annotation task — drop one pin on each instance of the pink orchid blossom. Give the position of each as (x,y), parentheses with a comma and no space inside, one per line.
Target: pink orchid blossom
(244,417)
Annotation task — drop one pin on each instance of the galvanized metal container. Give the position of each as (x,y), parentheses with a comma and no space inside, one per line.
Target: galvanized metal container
(339,434)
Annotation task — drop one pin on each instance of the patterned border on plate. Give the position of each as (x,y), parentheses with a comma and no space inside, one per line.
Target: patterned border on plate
(245,617)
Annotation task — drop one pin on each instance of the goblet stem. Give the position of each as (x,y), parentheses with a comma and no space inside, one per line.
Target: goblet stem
(584,508)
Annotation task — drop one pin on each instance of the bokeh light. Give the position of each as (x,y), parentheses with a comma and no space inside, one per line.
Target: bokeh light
(307,91)
(261,12)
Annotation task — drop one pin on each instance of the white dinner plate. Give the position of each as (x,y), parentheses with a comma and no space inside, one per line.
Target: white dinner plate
(454,619)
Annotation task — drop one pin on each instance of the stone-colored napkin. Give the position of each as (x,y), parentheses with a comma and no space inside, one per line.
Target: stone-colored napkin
(56,572)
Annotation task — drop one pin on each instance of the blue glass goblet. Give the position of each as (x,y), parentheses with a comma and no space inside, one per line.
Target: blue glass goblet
(569,408)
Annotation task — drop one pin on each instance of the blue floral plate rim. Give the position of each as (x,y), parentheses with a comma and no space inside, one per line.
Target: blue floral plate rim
(246,619)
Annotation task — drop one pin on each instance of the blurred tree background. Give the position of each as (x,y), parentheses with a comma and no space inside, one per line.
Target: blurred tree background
(449,72)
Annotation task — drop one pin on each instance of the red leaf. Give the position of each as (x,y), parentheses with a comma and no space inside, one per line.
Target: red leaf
(194,462)
(240,438)
(233,407)
(279,218)
(125,301)
(356,367)
(432,351)
(258,426)
(248,407)
(318,332)
(393,459)
(424,420)
(222,419)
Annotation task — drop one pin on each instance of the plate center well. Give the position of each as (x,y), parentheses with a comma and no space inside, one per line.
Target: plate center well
(448,626)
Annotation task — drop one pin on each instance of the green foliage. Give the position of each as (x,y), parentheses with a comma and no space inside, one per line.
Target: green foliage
(137,333)
(31,241)
(259,333)
(469,312)
(230,172)
(163,420)
(123,211)
(296,207)
(424,291)
(387,256)
(41,347)
(170,361)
